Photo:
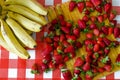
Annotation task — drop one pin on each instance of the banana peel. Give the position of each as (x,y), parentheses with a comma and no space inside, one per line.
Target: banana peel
(74,16)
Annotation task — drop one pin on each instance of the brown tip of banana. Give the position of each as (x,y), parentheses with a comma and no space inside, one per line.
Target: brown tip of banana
(40,28)
(28,57)
(34,46)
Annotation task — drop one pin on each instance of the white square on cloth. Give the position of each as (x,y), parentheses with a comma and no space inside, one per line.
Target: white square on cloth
(29,74)
(49,2)
(117,75)
(115,2)
(32,54)
(12,73)
(12,56)
(47,75)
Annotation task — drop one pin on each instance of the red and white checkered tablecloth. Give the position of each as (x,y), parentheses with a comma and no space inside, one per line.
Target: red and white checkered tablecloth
(14,68)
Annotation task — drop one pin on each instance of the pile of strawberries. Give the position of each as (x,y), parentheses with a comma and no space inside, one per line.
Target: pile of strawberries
(62,41)
(61,44)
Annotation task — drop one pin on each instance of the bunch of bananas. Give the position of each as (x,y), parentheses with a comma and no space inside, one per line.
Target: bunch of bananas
(18,19)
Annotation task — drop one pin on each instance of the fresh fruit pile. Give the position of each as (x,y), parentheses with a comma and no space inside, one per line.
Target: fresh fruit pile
(19,19)
(61,44)
(64,39)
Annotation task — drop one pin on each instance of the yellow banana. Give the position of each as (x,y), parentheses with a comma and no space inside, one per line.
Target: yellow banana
(27,13)
(32,4)
(20,33)
(4,44)
(12,42)
(25,22)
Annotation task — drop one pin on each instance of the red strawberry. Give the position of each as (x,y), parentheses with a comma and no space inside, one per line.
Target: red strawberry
(88,42)
(65,30)
(89,54)
(86,66)
(94,70)
(47,59)
(113,23)
(62,65)
(85,18)
(69,49)
(72,5)
(106,41)
(88,58)
(76,77)
(72,55)
(54,22)
(93,26)
(99,39)
(89,48)
(100,18)
(101,70)
(62,37)
(89,75)
(47,50)
(107,50)
(115,43)
(48,40)
(71,39)
(86,11)
(77,71)
(89,35)
(60,49)
(55,44)
(63,23)
(99,9)
(96,2)
(76,32)
(116,32)
(118,60)
(105,30)
(66,58)
(101,35)
(95,63)
(107,67)
(95,55)
(96,32)
(68,24)
(52,65)
(58,59)
(78,44)
(105,16)
(110,30)
(89,4)
(112,15)
(81,24)
(34,69)
(94,41)
(80,6)
(78,62)
(107,7)
(65,43)
(44,67)
(60,17)
(93,18)
(66,74)
(55,52)
(56,38)
(102,44)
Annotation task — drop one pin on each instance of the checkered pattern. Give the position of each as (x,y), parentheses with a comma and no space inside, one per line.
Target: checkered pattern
(14,68)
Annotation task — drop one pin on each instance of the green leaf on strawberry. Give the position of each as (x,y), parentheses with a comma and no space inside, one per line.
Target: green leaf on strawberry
(104,60)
